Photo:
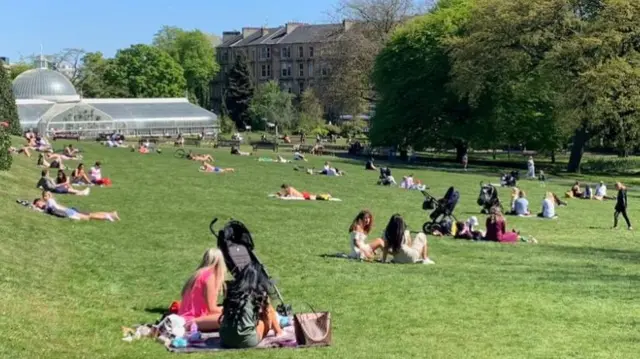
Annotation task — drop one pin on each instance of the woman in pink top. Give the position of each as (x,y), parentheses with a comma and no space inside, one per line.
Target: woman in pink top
(200,293)
(496,228)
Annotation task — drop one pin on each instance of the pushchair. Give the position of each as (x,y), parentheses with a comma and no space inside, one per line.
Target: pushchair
(442,215)
(386,179)
(509,179)
(488,197)
(236,244)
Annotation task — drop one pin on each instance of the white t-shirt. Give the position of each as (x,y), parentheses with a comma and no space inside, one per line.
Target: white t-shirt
(52,204)
(407,183)
(361,239)
(95,173)
(332,172)
(548,208)
(601,191)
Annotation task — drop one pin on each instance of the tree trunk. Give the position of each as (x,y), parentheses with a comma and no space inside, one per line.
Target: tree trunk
(577,150)
(553,156)
(461,149)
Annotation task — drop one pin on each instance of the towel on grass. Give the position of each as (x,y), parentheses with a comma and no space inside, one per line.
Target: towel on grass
(302,199)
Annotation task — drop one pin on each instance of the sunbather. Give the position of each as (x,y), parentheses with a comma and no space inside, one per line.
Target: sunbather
(62,179)
(404,249)
(42,162)
(358,232)
(24,150)
(206,167)
(247,315)
(71,152)
(575,191)
(50,205)
(297,156)
(47,184)
(370,165)
(200,293)
(467,230)
(199,157)
(288,191)
(79,176)
(278,159)
(236,151)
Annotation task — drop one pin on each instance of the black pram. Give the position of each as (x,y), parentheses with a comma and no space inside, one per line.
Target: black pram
(236,244)
(488,197)
(442,215)
(385,178)
(509,179)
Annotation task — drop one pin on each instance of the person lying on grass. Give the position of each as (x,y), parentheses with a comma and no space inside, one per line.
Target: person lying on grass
(290,192)
(297,156)
(247,314)
(42,162)
(51,156)
(48,204)
(206,167)
(404,249)
(47,184)
(200,292)
(199,157)
(79,176)
(358,232)
(278,159)
(327,170)
(236,151)
(23,150)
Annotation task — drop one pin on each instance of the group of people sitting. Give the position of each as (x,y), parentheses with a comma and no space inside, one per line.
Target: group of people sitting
(63,184)
(599,194)
(246,315)
(520,204)
(496,229)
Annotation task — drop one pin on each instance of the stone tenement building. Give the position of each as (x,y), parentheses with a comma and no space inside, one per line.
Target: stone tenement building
(288,54)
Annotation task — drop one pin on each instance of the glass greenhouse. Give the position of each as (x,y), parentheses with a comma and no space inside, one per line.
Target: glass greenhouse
(48,102)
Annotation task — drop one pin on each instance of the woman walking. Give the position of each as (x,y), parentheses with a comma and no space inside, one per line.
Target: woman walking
(621,206)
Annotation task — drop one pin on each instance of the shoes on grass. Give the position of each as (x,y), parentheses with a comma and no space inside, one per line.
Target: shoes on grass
(427,261)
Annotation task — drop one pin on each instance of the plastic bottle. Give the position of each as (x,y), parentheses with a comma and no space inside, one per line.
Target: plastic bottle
(194,334)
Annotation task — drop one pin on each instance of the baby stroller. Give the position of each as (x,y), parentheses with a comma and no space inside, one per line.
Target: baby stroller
(509,179)
(488,197)
(386,179)
(236,244)
(442,215)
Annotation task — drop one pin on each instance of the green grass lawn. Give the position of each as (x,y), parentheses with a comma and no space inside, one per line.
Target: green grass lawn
(67,287)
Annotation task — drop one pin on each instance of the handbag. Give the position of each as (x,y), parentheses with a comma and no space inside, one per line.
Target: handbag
(312,329)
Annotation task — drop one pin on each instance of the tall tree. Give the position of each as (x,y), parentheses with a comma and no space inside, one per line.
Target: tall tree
(416,105)
(8,108)
(310,112)
(239,92)
(272,104)
(92,82)
(195,52)
(350,53)
(146,71)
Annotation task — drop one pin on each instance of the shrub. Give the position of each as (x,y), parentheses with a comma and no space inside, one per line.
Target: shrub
(5,157)
(609,165)
(227,125)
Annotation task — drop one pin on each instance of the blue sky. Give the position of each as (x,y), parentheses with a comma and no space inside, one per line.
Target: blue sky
(113,24)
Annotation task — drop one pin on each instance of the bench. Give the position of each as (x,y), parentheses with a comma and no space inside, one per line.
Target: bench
(265,145)
(153,140)
(66,136)
(227,143)
(192,142)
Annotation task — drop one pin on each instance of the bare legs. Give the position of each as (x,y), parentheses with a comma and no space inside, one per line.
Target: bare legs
(208,323)
(268,320)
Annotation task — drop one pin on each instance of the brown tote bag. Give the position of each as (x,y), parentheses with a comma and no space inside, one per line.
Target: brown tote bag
(313,329)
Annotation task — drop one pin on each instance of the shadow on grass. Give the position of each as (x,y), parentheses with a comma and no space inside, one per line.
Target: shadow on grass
(156,310)
(596,253)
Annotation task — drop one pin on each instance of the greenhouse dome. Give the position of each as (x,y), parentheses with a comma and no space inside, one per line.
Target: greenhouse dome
(48,102)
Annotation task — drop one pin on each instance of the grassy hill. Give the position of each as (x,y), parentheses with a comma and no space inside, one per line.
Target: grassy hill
(67,287)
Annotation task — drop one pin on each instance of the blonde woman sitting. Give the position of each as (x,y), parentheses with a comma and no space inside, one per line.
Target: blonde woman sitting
(200,293)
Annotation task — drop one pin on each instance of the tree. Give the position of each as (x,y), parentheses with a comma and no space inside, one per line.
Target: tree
(309,116)
(272,104)
(145,71)
(195,52)
(350,52)
(92,82)
(239,92)
(416,105)
(68,61)
(18,68)
(8,108)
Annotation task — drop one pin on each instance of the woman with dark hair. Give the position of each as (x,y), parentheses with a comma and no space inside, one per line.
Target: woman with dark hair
(358,232)
(399,244)
(247,315)
(621,206)
(79,176)
(62,179)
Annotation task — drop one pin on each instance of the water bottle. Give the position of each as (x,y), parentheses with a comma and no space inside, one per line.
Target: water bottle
(284,321)
(194,334)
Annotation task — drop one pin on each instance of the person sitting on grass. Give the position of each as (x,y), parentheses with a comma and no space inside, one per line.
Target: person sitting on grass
(358,232)
(206,167)
(370,166)
(50,205)
(521,205)
(601,192)
(548,206)
(297,156)
(247,314)
(200,292)
(71,152)
(47,184)
(79,176)
(179,141)
(466,230)
(496,228)
(236,151)
(62,179)
(575,191)
(398,242)
(51,156)
(199,157)
(24,150)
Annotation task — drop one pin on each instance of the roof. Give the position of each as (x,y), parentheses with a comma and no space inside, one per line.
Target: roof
(311,33)
(31,113)
(44,84)
(150,109)
(257,38)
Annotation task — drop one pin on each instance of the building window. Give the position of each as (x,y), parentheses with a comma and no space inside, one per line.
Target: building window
(310,51)
(301,87)
(266,70)
(286,52)
(265,53)
(286,69)
(310,70)
(324,71)
(301,70)
(225,56)
(300,51)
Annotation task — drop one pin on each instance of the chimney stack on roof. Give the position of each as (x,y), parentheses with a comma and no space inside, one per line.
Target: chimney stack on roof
(228,35)
(346,25)
(246,31)
(263,31)
(290,26)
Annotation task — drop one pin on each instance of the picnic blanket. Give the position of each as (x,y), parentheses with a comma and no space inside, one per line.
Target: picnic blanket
(211,342)
(302,199)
